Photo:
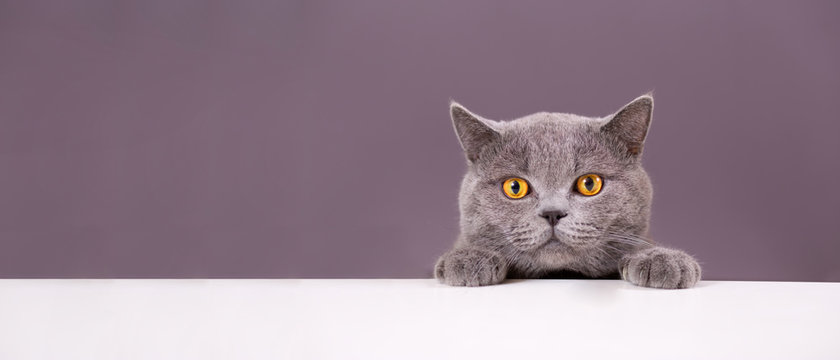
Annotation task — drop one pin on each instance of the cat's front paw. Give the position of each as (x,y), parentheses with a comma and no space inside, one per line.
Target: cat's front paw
(471,266)
(662,268)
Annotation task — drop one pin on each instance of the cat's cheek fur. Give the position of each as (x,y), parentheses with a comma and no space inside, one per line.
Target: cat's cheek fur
(471,266)
(660,267)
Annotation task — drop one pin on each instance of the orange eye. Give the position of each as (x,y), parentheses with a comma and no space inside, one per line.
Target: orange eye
(589,184)
(515,188)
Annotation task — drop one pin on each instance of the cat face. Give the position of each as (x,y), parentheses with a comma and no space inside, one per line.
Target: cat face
(555,190)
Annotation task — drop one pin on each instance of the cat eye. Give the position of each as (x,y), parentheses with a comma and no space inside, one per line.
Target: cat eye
(589,184)
(515,188)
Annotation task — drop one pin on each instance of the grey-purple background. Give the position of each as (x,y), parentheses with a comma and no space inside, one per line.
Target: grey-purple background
(311,139)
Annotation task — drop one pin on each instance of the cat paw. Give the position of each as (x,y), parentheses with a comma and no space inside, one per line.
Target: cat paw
(471,267)
(660,267)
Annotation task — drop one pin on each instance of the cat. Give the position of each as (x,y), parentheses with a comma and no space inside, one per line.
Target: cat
(556,192)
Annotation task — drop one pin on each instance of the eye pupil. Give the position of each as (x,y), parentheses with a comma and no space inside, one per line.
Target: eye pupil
(514,187)
(589,183)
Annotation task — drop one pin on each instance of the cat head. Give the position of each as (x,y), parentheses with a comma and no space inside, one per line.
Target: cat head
(552,188)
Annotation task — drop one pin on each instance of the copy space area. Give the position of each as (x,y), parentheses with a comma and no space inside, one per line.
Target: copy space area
(421,319)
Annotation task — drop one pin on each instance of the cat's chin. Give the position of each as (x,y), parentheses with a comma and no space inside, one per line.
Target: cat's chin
(559,252)
(555,252)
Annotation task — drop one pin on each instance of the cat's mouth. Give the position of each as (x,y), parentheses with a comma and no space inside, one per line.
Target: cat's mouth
(570,239)
(554,244)
(555,239)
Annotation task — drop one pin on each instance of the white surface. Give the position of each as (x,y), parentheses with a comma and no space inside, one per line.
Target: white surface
(419,319)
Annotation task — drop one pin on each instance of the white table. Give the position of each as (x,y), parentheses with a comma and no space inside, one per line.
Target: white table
(414,319)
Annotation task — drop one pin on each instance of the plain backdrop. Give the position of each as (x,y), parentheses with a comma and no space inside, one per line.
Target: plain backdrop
(312,139)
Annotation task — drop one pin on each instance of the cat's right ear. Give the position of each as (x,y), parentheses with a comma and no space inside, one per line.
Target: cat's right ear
(473,132)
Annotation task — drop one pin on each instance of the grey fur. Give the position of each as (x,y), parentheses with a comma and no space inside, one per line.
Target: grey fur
(602,235)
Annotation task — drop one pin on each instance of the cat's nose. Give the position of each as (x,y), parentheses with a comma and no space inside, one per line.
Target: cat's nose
(553,216)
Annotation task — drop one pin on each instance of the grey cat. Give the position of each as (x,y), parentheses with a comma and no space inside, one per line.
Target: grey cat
(552,192)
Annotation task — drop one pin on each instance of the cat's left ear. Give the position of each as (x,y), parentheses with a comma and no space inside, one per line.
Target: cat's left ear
(630,124)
